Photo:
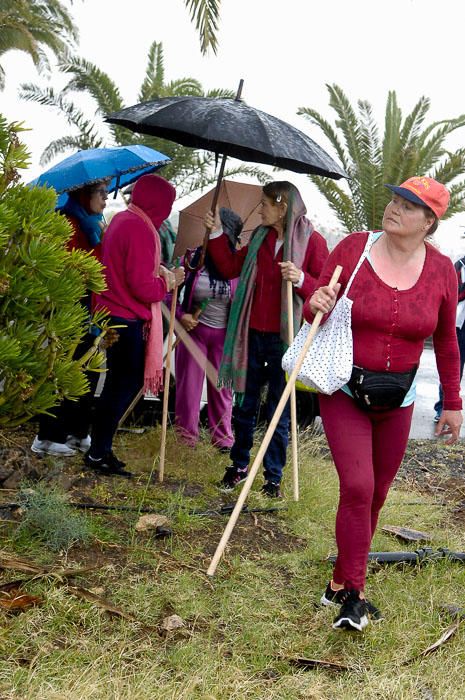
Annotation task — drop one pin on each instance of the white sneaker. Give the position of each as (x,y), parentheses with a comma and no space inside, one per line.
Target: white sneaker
(47,447)
(81,444)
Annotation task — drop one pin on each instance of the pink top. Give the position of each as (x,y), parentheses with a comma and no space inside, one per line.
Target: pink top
(390,325)
(129,253)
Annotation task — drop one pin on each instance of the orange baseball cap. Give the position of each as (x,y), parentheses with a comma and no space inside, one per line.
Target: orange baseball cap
(426,192)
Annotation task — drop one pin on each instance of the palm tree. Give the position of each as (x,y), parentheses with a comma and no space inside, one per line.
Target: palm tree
(190,169)
(408,148)
(205,14)
(31,25)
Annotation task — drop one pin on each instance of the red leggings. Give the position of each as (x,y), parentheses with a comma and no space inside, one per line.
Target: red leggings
(367,449)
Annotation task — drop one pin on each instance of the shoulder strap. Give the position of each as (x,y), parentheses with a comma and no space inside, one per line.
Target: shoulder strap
(364,254)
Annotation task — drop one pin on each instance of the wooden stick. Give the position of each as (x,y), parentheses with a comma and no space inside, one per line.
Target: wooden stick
(131,407)
(295,457)
(166,389)
(197,313)
(191,345)
(268,435)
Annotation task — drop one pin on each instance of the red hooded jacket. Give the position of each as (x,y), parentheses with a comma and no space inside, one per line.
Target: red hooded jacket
(129,252)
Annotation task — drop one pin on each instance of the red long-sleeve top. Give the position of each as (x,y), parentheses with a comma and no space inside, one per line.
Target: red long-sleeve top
(265,314)
(389,326)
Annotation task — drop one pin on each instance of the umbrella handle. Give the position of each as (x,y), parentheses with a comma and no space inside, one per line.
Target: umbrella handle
(215,197)
(208,230)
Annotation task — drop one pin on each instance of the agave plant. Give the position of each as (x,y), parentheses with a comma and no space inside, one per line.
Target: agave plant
(31,25)
(189,170)
(407,148)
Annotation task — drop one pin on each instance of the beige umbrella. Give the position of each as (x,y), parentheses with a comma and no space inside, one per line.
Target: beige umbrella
(241,197)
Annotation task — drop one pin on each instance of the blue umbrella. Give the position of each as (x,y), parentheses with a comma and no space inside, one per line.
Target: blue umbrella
(123,164)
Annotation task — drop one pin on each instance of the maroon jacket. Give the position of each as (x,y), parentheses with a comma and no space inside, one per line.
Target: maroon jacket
(266,305)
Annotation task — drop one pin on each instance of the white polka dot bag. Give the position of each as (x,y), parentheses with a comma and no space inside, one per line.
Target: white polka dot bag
(328,363)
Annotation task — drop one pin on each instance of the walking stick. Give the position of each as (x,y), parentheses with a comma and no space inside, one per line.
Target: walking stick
(295,457)
(268,435)
(166,390)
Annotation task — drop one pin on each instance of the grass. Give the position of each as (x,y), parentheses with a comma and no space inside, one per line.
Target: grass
(242,626)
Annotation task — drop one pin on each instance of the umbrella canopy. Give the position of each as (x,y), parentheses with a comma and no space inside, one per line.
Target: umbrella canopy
(121,164)
(242,198)
(229,127)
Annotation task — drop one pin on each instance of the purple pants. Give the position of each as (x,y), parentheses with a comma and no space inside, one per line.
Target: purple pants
(367,449)
(189,383)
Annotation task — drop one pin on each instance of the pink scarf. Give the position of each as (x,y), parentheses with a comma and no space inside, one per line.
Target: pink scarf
(153,368)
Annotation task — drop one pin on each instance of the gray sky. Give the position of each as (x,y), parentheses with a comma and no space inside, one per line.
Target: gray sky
(286,50)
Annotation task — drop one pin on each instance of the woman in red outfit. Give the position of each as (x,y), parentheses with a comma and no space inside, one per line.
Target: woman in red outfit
(405,291)
(284,248)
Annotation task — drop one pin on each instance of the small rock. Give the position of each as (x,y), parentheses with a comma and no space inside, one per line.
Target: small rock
(151,521)
(98,590)
(172,622)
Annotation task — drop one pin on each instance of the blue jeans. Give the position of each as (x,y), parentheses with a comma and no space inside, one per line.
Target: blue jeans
(264,366)
(461,342)
(123,379)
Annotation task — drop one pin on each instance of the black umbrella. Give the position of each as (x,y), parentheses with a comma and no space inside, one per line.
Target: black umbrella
(232,128)
(229,127)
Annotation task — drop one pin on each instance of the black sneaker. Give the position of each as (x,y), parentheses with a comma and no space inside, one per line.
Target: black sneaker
(271,490)
(335,598)
(109,464)
(233,476)
(353,614)
(331,597)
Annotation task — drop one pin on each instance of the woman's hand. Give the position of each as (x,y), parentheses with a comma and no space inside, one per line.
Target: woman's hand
(213,223)
(188,322)
(449,424)
(290,272)
(324,298)
(169,278)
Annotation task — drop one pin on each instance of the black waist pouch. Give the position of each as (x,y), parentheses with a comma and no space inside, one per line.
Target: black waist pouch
(380,391)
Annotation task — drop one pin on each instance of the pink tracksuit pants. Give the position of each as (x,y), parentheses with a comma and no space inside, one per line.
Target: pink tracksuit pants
(367,449)
(189,383)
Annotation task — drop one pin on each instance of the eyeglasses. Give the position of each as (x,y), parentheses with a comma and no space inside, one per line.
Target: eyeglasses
(101,191)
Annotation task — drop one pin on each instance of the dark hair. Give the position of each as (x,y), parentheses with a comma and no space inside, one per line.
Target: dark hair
(278,191)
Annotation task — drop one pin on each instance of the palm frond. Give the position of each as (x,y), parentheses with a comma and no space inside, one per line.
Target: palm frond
(341,203)
(205,14)
(64,144)
(183,86)
(152,85)
(87,77)
(315,118)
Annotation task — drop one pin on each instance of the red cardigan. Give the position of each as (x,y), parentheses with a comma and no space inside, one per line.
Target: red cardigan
(390,326)
(266,304)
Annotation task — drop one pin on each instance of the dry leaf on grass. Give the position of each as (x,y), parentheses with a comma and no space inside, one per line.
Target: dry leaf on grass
(301,662)
(406,534)
(107,605)
(16,600)
(445,636)
(19,564)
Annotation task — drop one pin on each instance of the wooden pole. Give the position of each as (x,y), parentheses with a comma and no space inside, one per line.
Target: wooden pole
(166,389)
(197,313)
(268,435)
(295,457)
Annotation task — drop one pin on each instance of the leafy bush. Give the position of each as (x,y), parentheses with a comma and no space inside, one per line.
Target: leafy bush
(41,283)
